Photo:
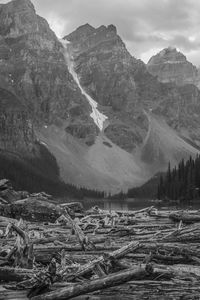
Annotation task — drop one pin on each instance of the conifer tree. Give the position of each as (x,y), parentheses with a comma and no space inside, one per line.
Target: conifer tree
(181,182)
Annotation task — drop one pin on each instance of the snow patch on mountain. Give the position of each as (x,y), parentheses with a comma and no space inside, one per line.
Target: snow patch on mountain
(96,115)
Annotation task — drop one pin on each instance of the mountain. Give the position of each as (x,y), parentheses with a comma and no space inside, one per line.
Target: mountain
(36,88)
(94,108)
(170,65)
(33,67)
(106,71)
(35,73)
(123,88)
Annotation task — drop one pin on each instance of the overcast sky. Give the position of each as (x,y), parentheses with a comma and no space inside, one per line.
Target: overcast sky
(146,26)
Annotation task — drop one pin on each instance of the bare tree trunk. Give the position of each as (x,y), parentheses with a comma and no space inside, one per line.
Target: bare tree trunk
(94,285)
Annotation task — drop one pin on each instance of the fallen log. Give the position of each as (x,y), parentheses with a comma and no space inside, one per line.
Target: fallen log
(186,234)
(75,206)
(83,239)
(122,231)
(45,254)
(167,259)
(69,239)
(135,212)
(187,218)
(104,259)
(22,250)
(158,214)
(14,274)
(98,284)
(41,281)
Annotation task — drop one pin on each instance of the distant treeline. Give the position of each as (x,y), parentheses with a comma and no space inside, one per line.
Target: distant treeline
(182,182)
(145,191)
(40,173)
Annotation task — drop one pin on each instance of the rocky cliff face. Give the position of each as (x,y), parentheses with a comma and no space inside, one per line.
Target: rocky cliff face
(169,65)
(32,65)
(182,111)
(106,71)
(103,64)
(180,99)
(16,130)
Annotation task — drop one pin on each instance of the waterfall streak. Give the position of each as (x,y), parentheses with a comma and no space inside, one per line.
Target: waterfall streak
(96,115)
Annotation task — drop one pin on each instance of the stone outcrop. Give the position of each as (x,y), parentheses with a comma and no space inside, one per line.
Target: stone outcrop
(170,65)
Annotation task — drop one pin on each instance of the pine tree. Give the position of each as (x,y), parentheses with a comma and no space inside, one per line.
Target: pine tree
(182,182)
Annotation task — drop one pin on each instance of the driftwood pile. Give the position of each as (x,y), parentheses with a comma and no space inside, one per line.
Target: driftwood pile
(35,207)
(8,194)
(97,255)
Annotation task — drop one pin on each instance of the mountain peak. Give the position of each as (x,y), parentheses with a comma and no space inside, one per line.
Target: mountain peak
(167,55)
(170,65)
(18,4)
(81,32)
(85,27)
(113,28)
(86,30)
(17,17)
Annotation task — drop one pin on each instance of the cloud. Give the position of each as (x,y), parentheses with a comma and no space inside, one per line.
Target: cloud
(144,25)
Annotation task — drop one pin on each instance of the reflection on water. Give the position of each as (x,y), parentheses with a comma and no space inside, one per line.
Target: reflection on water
(133,204)
(125,204)
(114,205)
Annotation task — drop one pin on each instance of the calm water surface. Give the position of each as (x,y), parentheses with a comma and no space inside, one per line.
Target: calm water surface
(132,204)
